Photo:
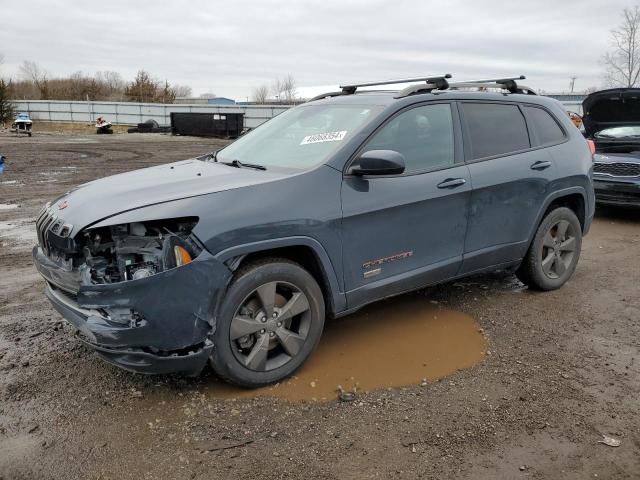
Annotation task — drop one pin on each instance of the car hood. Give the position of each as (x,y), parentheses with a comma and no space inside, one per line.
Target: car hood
(617,157)
(94,201)
(616,107)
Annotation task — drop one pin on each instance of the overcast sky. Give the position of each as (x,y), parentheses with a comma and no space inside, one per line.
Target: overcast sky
(232,46)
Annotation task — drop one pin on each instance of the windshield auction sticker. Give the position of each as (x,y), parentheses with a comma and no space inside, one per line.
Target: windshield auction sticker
(323,137)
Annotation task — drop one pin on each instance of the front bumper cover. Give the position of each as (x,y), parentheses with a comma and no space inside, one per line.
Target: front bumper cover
(617,191)
(172,314)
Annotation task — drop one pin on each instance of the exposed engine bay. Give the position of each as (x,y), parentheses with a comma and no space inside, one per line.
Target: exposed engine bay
(136,250)
(134,290)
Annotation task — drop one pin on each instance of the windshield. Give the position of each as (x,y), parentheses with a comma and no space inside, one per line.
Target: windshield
(300,137)
(619,132)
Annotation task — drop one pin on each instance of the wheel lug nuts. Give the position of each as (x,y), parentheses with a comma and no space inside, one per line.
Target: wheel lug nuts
(262,331)
(275,314)
(271,334)
(264,319)
(279,324)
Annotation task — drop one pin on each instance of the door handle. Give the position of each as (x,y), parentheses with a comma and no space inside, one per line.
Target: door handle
(541,165)
(452,183)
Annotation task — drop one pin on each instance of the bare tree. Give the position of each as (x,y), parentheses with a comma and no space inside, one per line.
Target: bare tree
(113,84)
(35,83)
(32,72)
(260,94)
(622,63)
(182,91)
(1,62)
(289,89)
(167,94)
(284,89)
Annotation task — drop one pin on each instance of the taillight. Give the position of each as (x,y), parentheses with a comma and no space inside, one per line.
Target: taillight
(592,146)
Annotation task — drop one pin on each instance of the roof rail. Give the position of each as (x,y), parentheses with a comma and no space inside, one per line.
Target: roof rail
(436,83)
(326,95)
(436,79)
(496,80)
(504,83)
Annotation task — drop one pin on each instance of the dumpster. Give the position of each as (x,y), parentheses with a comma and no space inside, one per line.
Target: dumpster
(221,125)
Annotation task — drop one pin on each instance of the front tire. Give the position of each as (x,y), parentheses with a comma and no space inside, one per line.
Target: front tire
(554,252)
(270,321)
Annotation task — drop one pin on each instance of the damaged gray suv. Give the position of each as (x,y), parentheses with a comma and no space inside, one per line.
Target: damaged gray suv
(237,257)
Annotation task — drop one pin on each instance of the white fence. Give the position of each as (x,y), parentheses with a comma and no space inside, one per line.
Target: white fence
(127,113)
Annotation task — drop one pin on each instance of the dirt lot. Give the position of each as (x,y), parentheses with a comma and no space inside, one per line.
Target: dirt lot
(547,373)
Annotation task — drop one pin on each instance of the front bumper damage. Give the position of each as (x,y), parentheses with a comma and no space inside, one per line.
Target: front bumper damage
(158,324)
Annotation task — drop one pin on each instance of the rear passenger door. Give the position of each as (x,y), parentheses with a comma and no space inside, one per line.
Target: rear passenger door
(511,173)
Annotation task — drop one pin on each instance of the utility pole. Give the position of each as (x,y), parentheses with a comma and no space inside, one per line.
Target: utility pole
(573,82)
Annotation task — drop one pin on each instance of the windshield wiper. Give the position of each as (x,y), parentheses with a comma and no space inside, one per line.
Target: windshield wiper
(239,164)
(213,156)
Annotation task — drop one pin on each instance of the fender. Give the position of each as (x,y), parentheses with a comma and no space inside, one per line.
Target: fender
(554,196)
(337,298)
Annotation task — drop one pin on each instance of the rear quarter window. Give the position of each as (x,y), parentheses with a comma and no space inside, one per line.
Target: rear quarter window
(495,129)
(545,127)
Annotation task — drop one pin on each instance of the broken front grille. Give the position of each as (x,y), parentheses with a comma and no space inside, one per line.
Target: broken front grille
(43,223)
(618,169)
(48,224)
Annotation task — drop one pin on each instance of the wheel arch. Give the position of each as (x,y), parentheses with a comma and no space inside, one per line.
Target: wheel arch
(306,251)
(574,198)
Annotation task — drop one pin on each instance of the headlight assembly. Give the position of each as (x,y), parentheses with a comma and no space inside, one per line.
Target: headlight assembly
(139,250)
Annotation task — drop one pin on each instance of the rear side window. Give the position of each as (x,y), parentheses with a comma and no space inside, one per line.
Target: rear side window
(546,128)
(495,129)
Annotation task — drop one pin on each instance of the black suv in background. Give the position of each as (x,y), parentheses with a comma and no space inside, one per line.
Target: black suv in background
(237,256)
(612,121)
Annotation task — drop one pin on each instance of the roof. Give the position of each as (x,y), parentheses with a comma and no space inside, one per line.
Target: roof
(388,97)
(495,88)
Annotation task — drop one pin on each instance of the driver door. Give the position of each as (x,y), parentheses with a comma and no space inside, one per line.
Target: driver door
(405,231)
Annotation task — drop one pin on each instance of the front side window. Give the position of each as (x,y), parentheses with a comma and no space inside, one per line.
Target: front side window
(301,137)
(495,129)
(423,135)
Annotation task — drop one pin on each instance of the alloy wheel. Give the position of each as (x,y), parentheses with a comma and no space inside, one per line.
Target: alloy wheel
(270,326)
(558,249)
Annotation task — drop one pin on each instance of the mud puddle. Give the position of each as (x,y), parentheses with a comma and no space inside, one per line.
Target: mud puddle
(394,343)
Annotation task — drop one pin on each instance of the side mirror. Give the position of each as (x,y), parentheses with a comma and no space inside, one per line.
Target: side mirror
(378,162)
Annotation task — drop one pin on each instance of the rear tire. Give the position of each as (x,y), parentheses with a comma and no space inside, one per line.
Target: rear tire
(270,321)
(554,252)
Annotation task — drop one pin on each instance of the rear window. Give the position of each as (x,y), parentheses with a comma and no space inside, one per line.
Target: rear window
(495,129)
(547,129)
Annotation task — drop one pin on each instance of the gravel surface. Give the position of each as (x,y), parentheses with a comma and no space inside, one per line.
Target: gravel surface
(561,370)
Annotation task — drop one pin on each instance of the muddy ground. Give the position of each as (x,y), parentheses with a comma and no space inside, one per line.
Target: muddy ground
(545,374)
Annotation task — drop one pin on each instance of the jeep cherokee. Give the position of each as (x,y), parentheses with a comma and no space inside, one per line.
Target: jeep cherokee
(237,256)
